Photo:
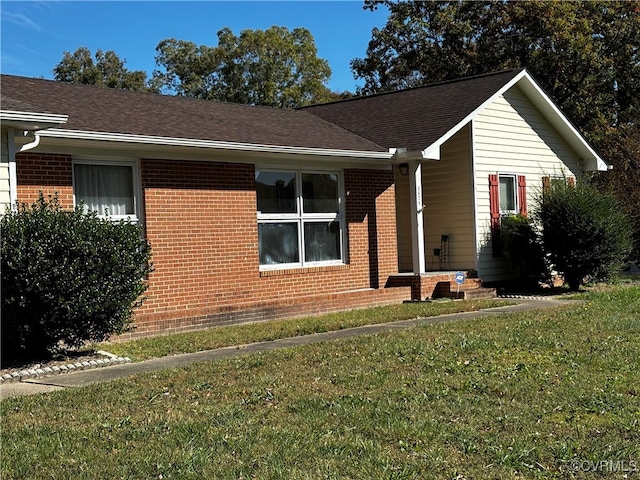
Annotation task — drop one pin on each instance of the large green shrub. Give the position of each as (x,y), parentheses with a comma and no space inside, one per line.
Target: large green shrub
(67,278)
(584,231)
(522,247)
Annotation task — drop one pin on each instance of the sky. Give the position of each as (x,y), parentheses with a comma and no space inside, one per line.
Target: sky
(35,34)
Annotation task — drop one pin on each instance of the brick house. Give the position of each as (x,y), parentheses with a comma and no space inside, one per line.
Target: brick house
(257,213)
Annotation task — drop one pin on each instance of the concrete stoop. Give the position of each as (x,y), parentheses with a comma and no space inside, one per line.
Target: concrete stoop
(473,294)
(472,288)
(432,285)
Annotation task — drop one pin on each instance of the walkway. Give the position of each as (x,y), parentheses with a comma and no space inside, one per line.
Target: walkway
(81,378)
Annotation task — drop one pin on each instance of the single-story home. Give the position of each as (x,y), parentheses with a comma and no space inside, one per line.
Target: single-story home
(257,213)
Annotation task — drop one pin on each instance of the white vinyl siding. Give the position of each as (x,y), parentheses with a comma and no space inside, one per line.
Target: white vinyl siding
(512,136)
(5,197)
(447,192)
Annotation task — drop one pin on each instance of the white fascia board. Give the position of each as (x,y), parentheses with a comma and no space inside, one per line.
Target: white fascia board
(32,120)
(209,144)
(403,155)
(592,161)
(548,108)
(432,151)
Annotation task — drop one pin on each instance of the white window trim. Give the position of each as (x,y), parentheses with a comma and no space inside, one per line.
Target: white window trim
(299,218)
(137,183)
(514,177)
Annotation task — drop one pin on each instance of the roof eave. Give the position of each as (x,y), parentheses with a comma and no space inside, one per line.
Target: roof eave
(132,139)
(591,160)
(31,120)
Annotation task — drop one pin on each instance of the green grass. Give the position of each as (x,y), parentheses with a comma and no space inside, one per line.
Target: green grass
(508,396)
(190,342)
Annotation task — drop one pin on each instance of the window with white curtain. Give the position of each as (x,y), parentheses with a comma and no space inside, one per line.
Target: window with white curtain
(300,218)
(109,188)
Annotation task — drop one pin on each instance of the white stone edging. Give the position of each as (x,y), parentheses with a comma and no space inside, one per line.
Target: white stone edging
(20,375)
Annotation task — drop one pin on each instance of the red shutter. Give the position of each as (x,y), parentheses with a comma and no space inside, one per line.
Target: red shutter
(494,203)
(546,184)
(494,199)
(522,194)
(571,181)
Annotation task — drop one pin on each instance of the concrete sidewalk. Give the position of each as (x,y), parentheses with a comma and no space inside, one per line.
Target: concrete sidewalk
(81,378)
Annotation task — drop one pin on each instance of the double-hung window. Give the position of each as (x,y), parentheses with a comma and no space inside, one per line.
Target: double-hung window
(110,188)
(508,195)
(300,218)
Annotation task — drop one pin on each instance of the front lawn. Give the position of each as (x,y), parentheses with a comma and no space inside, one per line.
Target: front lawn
(543,394)
(217,337)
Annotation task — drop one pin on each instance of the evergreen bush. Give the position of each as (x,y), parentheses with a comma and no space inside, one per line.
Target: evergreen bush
(522,247)
(584,231)
(68,277)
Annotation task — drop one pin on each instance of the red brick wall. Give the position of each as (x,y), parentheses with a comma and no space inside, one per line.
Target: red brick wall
(201,221)
(47,173)
(370,209)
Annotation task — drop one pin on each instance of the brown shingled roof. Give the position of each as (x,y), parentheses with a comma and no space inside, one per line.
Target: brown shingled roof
(107,110)
(414,118)
(12,104)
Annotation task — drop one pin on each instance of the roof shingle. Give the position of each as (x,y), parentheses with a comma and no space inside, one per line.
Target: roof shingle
(417,117)
(107,110)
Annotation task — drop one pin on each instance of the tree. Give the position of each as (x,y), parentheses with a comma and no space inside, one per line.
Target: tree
(275,67)
(67,277)
(586,55)
(622,144)
(108,70)
(584,231)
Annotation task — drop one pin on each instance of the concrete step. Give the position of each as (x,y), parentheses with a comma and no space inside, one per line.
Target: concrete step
(467,292)
(471,294)
(482,292)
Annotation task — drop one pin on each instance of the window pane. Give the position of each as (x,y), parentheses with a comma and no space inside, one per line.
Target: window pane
(276,192)
(507,194)
(320,192)
(322,241)
(105,188)
(278,243)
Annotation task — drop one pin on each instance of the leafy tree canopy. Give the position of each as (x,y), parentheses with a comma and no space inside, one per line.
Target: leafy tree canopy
(274,67)
(107,70)
(586,55)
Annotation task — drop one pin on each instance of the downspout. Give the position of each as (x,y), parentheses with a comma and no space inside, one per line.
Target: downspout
(33,144)
(13,172)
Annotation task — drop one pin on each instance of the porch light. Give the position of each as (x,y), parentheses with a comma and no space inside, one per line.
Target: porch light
(404,168)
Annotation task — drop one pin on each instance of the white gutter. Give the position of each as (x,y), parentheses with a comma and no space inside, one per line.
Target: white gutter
(212,144)
(36,121)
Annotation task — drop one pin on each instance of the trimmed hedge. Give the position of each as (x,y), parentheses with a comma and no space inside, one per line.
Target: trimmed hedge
(68,277)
